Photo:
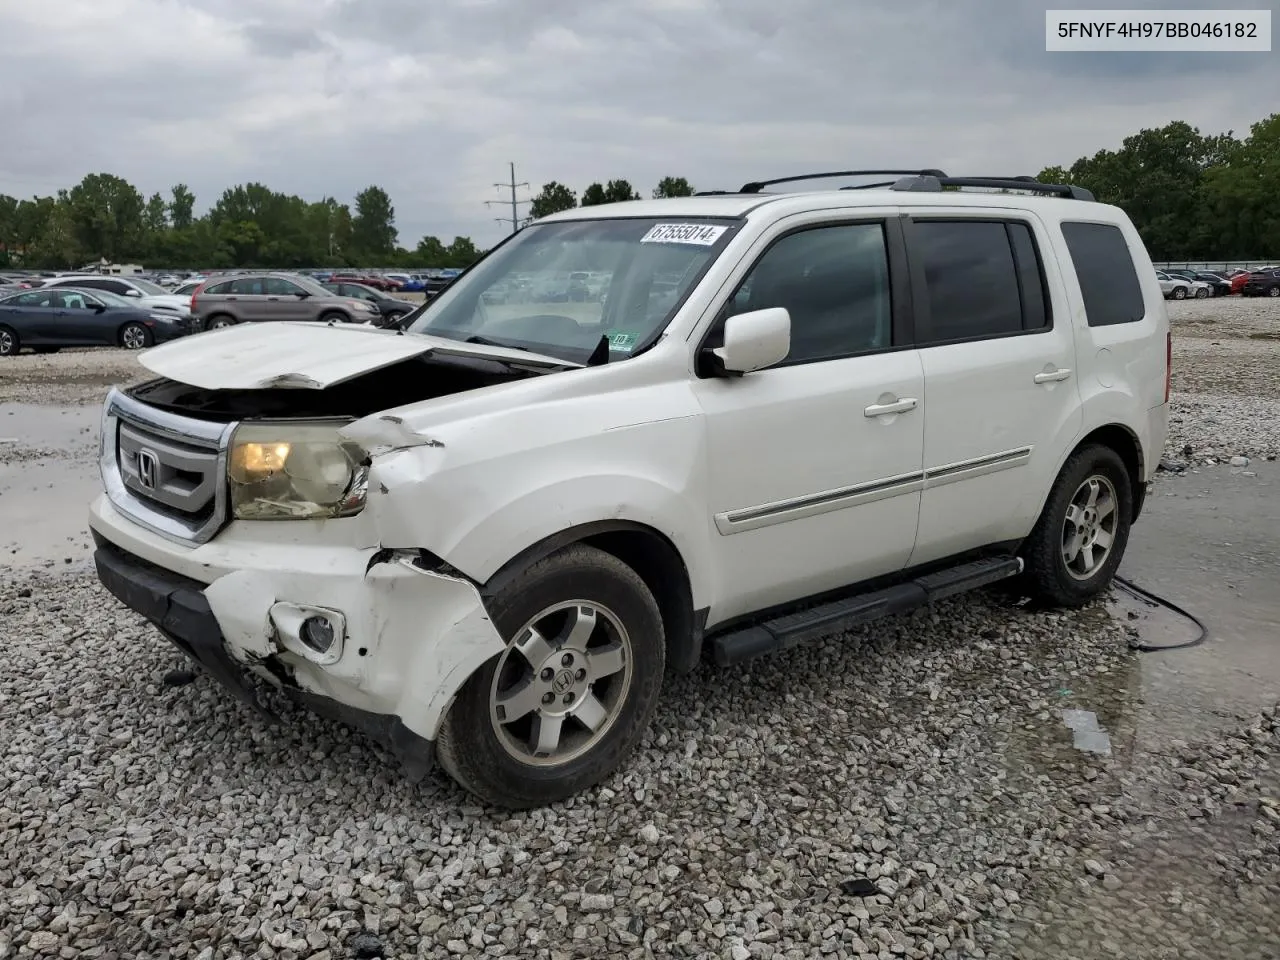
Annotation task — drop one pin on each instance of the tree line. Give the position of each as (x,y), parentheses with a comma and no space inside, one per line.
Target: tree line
(1192,196)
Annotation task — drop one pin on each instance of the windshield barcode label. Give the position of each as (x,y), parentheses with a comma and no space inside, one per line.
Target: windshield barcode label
(700,234)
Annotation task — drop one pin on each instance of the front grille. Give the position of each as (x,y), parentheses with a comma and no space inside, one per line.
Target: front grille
(166,472)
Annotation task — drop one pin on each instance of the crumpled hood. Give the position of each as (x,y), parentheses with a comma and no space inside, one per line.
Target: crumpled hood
(308,356)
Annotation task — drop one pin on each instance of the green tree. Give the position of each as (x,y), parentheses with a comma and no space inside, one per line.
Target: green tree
(155,217)
(373,229)
(673,187)
(1240,195)
(593,196)
(181,207)
(554,197)
(8,227)
(430,252)
(461,253)
(106,216)
(617,191)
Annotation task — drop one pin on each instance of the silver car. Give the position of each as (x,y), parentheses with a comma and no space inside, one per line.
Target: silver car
(1176,288)
(258,297)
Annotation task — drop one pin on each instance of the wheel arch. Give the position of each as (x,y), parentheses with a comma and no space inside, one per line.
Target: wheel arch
(1127,446)
(647,551)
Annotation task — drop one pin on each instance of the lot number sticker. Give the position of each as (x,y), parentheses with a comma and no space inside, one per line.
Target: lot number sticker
(699,234)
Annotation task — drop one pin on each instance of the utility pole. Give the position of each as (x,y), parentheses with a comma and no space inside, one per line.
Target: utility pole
(514,219)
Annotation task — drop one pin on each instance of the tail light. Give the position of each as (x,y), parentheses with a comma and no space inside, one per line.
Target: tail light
(195,293)
(1168,364)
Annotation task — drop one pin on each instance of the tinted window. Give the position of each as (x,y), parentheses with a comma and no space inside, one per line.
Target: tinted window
(73,300)
(1104,267)
(219,288)
(278,287)
(114,286)
(1035,302)
(247,287)
(834,281)
(36,298)
(971,277)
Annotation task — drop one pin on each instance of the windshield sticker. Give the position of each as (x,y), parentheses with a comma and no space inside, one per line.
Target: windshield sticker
(622,342)
(699,234)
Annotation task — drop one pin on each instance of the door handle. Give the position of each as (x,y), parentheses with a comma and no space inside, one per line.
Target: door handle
(1053,376)
(885,409)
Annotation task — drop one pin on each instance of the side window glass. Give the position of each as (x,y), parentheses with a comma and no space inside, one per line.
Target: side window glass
(112,286)
(279,287)
(71,300)
(36,298)
(971,279)
(1035,300)
(834,281)
(219,289)
(1104,268)
(247,287)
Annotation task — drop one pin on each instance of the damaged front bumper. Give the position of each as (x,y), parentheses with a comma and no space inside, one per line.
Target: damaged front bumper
(409,638)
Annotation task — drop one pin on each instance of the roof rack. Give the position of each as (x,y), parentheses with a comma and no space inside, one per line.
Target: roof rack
(755,186)
(929,183)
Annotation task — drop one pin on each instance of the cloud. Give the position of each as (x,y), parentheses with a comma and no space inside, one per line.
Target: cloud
(323,97)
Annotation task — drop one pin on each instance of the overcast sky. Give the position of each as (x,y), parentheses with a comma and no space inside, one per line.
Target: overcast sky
(431,100)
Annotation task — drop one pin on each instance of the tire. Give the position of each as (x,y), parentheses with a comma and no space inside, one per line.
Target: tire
(391,321)
(220,321)
(1274,292)
(9,342)
(1202,293)
(494,756)
(1049,575)
(134,336)
(334,316)
(1179,293)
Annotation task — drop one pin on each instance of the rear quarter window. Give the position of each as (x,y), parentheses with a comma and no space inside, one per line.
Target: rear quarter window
(1104,268)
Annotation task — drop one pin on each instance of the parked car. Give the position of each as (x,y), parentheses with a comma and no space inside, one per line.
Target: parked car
(258,297)
(54,317)
(1179,288)
(378,283)
(493,535)
(390,309)
(189,287)
(148,295)
(1262,283)
(1219,286)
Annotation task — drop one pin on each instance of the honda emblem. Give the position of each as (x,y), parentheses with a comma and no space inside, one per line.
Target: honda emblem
(148,469)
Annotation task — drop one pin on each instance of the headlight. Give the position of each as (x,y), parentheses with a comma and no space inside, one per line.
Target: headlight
(295,471)
(164,318)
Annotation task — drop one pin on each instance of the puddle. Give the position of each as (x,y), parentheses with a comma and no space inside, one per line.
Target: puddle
(48,427)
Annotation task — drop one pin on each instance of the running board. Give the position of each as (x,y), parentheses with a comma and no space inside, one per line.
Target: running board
(825,619)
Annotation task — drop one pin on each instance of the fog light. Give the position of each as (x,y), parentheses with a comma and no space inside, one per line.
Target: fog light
(317,633)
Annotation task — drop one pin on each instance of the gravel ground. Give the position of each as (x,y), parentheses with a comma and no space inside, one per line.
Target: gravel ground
(910,790)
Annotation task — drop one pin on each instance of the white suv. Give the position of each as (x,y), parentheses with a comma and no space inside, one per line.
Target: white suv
(488,538)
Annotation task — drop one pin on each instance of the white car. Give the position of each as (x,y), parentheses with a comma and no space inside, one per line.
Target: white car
(1179,288)
(144,292)
(486,541)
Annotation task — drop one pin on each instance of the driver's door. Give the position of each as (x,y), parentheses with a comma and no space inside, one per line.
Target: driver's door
(815,465)
(78,321)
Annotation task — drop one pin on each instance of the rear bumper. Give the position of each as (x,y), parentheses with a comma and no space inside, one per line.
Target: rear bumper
(178,607)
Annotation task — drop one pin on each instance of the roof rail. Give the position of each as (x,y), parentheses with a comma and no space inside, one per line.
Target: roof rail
(927,183)
(755,186)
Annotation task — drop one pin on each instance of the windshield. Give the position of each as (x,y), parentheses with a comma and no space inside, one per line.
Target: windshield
(558,288)
(149,288)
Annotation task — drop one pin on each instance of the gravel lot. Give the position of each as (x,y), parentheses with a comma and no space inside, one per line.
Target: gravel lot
(905,791)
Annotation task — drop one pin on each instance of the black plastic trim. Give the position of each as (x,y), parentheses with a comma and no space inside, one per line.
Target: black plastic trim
(755,186)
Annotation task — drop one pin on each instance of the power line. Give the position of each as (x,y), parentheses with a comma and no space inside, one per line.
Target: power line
(514,219)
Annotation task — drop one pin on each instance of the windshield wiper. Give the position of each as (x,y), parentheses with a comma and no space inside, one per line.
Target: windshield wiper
(487,342)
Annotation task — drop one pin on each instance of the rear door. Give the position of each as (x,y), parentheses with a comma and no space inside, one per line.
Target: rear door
(32,316)
(1002,405)
(249,297)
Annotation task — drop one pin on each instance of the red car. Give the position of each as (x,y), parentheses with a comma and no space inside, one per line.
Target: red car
(378,283)
(1238,281)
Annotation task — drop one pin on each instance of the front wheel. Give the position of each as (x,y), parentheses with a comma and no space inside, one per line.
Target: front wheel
(1076,546)
(1180,293)
(134,336)
(1274,292)
(573,693)
(9,342)
(1202,293)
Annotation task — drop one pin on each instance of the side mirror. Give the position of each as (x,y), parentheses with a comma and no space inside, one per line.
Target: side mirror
(132,293)
(753,341)
(97,307)
(301,294)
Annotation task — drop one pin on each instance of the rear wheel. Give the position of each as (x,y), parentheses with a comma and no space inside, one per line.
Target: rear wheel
(219,322)
(134,336)
(1079,540)
(568,700)
(1274,292)
(1179,293)
(9,342)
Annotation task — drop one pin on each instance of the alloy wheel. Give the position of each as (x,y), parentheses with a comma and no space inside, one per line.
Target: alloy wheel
(134,337)
(1089,529)
(561,684)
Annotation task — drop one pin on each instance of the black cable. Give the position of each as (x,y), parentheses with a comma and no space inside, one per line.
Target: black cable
(1158,601)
